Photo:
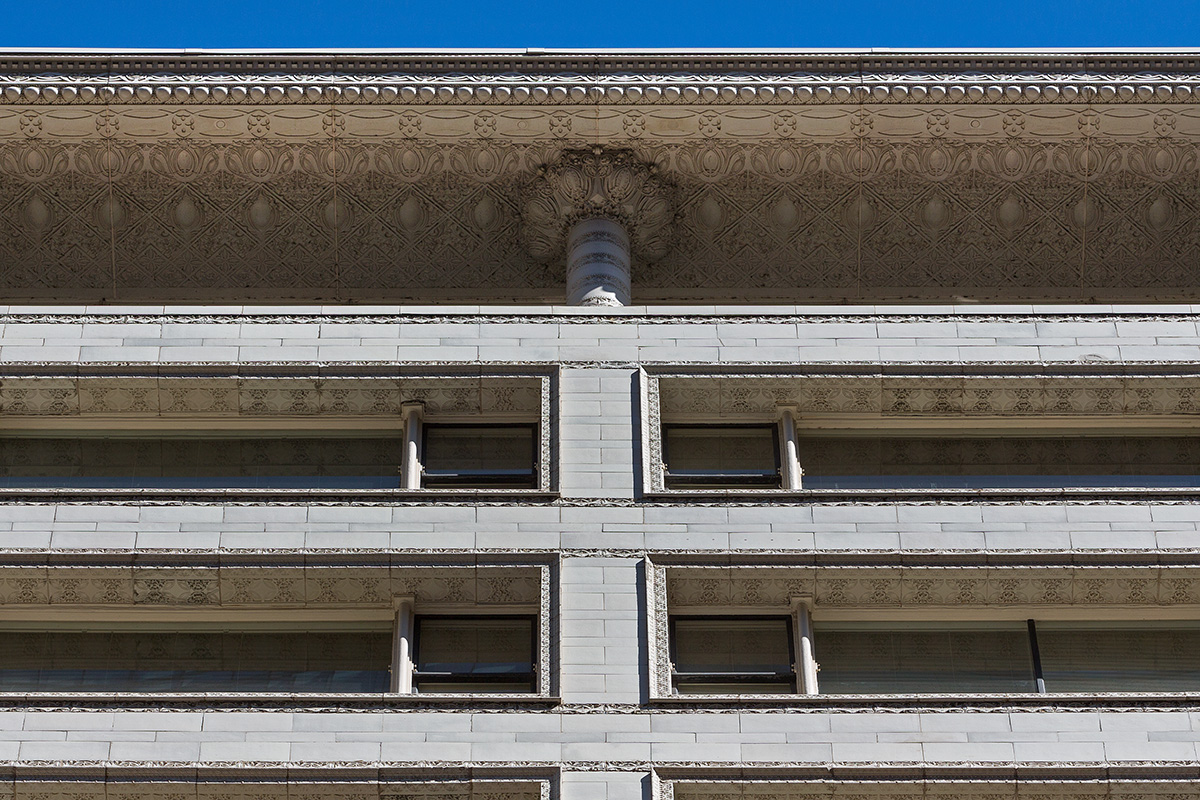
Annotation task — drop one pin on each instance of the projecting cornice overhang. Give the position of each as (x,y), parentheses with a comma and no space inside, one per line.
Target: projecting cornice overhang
(867,176)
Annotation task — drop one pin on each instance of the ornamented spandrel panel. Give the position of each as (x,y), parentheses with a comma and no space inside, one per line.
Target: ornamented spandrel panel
(295,587)
(832,587)
(742,397)
(518,397)
(140,789)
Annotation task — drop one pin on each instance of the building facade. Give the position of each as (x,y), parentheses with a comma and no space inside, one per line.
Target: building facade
(597,426)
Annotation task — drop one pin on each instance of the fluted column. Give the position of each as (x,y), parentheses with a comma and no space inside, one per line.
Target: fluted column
(598,261)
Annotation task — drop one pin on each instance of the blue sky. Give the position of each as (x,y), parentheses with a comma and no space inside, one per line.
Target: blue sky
(615,23)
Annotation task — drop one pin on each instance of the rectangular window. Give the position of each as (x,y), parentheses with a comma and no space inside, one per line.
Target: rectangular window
(1134,657)
(732,655)
(721,456)
(475,654)
(951,461)
(924,658)
(214,460)
(193,658)
(487,456)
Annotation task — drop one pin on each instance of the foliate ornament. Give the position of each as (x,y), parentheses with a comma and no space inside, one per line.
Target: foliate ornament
(560,124)
(485,124)
(334,124)
(938,123)
(31,124)
(861,122)
(410,124)
(1164,123)
(259,124)
(785,124)
(1013,123)
(107,124)
(183,124)
(598,184)
(1089,123)
(710,124)
(634,123)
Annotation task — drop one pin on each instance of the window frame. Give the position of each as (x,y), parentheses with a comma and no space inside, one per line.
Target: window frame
(534,678)
(837,594)
(257,597)
(803,402)
(338,402)
(676,483)
(677,677)
(535,466)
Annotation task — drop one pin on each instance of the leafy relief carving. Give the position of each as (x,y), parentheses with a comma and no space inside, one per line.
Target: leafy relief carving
(611,184)
(742,396)
(277,790)
(247,397)
(296,587)
(948,587)
(822,212)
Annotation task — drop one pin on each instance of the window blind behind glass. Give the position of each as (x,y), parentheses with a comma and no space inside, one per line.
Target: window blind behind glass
(479,646)
(734,646)
(915,660)
(194,661)
(1142,658)
(720,451)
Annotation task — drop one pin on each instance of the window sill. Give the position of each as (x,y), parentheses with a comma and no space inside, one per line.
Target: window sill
(379,495)
(277,699)
(900,701)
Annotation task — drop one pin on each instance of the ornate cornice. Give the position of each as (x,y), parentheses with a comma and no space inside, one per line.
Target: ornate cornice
(861,177)
(541,77)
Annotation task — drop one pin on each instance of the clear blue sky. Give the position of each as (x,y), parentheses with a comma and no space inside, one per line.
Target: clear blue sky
(615,23)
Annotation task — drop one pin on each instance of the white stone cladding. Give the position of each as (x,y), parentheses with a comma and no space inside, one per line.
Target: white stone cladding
(603,740)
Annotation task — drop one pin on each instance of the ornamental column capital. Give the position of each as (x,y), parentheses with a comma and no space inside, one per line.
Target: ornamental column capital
(598,183)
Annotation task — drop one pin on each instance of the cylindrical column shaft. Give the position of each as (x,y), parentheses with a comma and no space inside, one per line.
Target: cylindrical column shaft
(411,468)
(806,661)
(791,452)
(402,638)
(598,264)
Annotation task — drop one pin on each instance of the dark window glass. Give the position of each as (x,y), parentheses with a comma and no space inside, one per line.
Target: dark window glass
(720,456)
(195,660)
(475,654)
(732,655)
(949,461)
(924,659)
(1139,657)
(489,456)
(274,462)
